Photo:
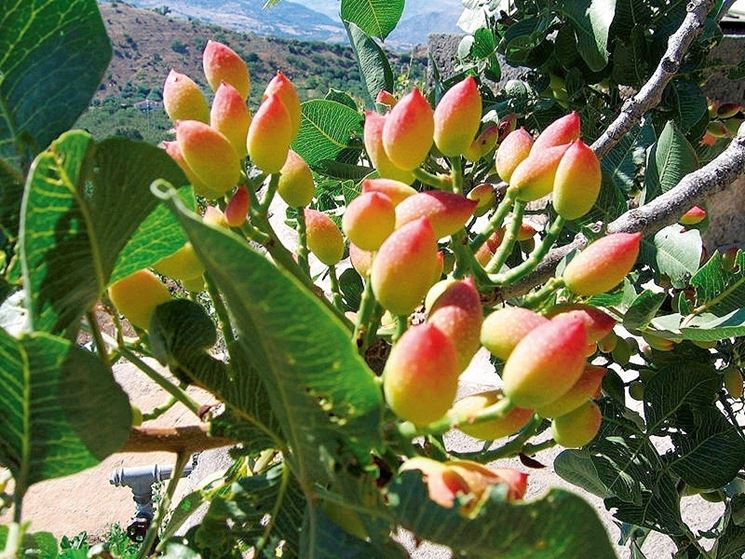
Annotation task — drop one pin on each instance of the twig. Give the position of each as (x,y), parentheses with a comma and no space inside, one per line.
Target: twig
(190,439)
(650,218)
(650,95)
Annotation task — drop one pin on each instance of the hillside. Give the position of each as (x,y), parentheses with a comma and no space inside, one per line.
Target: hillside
(147,45)
(287,19)
(312,19)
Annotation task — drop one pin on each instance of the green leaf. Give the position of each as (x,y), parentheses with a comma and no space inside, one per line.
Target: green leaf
(720,290)
(373,63)
(11,193)
(53,54)
(239,516)
(687,101)
(629,14)
(678,253)
(374,17)
(330,541)
(591,20)
(671,159)
(643,309)
(351,287)
(62,411)
(181,334)
(709,450)
(326,131)
(560,525)
(681,385)
(341,97)
(40,545)
(631,58)
(731,543)
(578,468)
(83,202)
(327,401)
(624,161)
(708,327)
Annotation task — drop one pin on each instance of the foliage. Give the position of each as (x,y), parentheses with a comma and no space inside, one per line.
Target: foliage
(295,349)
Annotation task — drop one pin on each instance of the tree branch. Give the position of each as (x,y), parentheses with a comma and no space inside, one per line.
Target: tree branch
(650,95)
(650,218)
(191,438)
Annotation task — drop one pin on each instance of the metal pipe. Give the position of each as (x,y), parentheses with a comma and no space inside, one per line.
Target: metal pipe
(140,480)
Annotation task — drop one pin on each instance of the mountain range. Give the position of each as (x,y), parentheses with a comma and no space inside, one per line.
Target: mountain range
(315,20)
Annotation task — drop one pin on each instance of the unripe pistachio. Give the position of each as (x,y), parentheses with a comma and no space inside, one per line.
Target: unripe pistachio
(440,267)
(657,342)
(236,211)
(447,481)
(458,314)
(733,382)
(636,391)
(443,484)
(200,188)
(717,129)
(373,136)
(622,352)
(385,98)
(728,110)
(485,252)
(480,479)
(434,293)
(503,329)
(492,430)
(729,258)
(346,518)
(270,135)
(708,139)
(361,260)
(586,388)
(230,116)
(421,375)
(579,427)
(534,176)
(136,416)
(447,212)
(194,285)
(457,118)
(603,264)
(598,324)
(483,145)
(512,151)
(214,216)
(693,216)
(368,220)
(484,196)
(137,295)
(324,237)
(209,155)
(408,131)
(733,125)
(222,64)
(577,181)
(526,232)
(562,131)
(296,186)
(284,89)
(183,100)
(546,363)
(397,191)
(181,265)
(404,266)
